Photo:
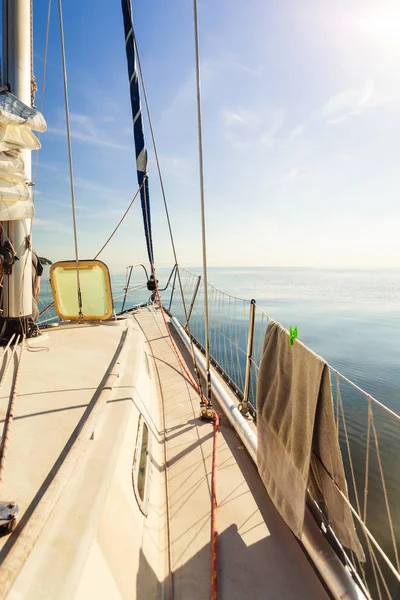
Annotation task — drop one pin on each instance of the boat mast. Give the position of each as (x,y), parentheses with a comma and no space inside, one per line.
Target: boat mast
(17,60)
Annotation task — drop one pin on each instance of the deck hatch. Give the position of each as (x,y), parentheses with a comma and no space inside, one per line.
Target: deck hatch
(97,304)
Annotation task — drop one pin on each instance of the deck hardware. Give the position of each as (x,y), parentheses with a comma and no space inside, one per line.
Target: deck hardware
(244,406)
(7,257)
(207,412)
(293,334)
(8,516)
(196,289)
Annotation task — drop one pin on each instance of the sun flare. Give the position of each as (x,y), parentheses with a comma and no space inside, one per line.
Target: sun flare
(383,22)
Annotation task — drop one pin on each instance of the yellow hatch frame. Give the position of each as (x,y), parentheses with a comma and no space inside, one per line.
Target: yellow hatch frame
(59,295)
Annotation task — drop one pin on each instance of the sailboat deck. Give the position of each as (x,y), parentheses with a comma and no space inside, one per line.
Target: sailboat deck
(60,373)
(80,533)
(258,557)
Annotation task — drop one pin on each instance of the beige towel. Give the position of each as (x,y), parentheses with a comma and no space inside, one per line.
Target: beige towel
(297,438)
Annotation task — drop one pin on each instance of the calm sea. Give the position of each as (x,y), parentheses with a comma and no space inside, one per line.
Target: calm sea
(352,319)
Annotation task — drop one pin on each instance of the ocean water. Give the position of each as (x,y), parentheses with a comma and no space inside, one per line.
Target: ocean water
(352,319)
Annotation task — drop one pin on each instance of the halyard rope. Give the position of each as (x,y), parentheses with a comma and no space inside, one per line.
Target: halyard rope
(110,237)
(71,173)
(201,181)
(196,370)
(46,46)
(214,533)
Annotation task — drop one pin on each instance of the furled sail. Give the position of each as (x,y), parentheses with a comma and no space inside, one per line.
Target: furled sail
(16,123)
(141,151)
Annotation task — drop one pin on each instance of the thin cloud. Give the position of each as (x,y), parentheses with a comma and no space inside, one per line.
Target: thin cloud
(66,204)
(48,166)
(90,130)
(269,139)
(46,225)
(297,131)
(292,175)
(342,106)
(243,126)
(96,186)
(348,103)
(241,117)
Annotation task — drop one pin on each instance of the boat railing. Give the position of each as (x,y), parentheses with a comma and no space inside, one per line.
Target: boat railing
(368,431)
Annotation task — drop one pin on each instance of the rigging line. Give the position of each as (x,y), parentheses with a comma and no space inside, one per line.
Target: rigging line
(203,221)
(173,289)
(6,349)
(353,477)
(197,388)
(167,497)
(123,216)
(33,81)
(147,229)
(385,493)
(354,385)
(366,487)
(153,140)
(10,410)
(22,320)
(46,46)
(214,507)
(214,504)
(196,369)
(362,524)
(71,173)
(109,239)
(127,282)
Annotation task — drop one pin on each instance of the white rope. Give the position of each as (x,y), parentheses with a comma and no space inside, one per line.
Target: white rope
(8,344)
(71,173)
(201,180)
(13,350)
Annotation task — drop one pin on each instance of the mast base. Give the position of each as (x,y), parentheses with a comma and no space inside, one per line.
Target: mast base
(24,326)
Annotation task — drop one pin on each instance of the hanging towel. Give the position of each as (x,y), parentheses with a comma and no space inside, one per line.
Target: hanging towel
(297,438)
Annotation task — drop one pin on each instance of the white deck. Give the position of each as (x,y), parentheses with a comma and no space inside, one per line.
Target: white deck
(81,533)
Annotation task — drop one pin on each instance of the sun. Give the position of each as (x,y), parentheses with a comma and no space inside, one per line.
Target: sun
(382,22)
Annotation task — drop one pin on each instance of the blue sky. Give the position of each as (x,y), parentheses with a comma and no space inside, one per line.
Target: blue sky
(301,116)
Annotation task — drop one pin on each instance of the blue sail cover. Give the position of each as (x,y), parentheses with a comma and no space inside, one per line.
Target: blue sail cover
(141,151)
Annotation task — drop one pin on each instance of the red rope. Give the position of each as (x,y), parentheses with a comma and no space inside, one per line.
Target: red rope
(214,508)
(174,346)
(214,503)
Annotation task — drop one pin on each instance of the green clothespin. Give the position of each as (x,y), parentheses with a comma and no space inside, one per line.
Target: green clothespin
(292,334)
